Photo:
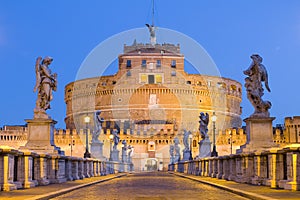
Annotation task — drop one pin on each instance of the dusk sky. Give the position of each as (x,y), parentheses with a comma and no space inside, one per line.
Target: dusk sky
(230,31)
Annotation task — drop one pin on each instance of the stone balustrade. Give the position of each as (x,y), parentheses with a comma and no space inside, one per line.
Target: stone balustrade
(26,169)
(277,168)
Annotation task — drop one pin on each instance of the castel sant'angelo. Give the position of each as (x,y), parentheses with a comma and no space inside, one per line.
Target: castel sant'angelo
(151,100)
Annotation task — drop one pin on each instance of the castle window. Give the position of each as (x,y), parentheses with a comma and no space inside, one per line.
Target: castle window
(173,63)
(158,63)
(128,73)
(114,82)
(173,73)
(144,63)
(219,84)
(143,78)
(233,87)
(128,64)
(158,78)
(199,83)
(189,82)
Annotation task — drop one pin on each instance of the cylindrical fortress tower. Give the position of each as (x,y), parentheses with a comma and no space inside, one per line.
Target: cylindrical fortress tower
(151,87)
(151,100)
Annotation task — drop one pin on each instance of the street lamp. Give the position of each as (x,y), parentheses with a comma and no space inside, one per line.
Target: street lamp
(191,137)
(72,144)
(214,152)
(87,153)
(111,137)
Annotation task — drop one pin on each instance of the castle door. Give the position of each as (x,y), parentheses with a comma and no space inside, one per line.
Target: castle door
(151,164)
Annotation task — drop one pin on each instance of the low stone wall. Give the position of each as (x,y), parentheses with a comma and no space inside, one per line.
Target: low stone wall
(277,168)
(26,169)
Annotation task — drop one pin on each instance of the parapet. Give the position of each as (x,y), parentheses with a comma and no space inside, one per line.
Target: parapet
(170,48)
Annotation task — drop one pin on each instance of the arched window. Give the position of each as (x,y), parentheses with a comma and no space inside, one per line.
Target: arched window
(233,87)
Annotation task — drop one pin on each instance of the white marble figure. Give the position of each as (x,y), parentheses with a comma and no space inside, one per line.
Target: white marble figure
(98,126)
(204,120)
(46,82)
(171,154)
(257,74)
(124,151)
(204,144)
(177,150)
(116,139)
(186,140)
(130,153)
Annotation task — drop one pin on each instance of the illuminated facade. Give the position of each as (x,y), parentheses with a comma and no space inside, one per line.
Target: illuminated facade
(152,99)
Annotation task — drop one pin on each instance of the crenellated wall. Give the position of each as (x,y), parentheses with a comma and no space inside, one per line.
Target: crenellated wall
(292,127)
(230,140)
(139,138)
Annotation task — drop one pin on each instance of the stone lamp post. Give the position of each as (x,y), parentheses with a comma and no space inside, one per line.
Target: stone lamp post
(111,137)
(214,152)
(87,154)
(191,137)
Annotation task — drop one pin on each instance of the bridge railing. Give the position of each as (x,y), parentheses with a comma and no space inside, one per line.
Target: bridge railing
(26,169)
(277,168)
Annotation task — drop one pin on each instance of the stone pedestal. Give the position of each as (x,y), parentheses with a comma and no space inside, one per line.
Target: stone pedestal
(115,155)
(97,150)
(205,148)
(176,158)
(259,135)
(121,167)
(41,136)
(186,155)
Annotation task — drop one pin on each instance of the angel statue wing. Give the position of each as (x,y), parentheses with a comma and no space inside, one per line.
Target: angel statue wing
(37,73)
(264,77)
(207,118)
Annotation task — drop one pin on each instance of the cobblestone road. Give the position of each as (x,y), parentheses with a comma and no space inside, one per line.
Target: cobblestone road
(150,185)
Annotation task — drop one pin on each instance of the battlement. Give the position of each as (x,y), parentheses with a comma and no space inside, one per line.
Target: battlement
(64,138)
(237,135)
(148,48)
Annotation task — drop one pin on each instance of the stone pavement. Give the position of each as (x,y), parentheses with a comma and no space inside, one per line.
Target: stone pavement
(53,190)
(246,190)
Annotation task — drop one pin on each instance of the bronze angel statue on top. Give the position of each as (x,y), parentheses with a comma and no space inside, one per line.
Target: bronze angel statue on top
(46,82)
